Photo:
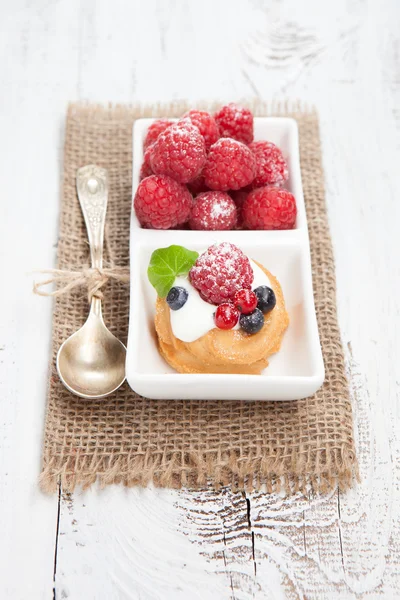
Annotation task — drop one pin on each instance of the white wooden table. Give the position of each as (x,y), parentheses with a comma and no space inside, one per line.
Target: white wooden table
(160,544)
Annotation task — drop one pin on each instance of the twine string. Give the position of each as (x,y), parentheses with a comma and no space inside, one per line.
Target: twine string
(67,280)
(94,279)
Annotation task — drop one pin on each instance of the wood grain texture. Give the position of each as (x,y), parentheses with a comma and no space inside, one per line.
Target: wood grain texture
(150,544)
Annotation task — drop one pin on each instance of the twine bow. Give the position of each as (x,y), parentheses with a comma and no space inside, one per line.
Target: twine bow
(93,279)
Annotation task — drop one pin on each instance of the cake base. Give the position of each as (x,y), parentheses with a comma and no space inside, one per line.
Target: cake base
(224,351)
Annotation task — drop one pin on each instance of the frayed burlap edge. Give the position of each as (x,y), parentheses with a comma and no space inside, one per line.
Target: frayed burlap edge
(168,472)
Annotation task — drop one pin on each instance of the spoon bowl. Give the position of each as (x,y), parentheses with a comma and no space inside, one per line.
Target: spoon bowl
(91,363)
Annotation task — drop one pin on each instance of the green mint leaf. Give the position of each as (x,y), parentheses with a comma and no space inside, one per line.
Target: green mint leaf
(168,263)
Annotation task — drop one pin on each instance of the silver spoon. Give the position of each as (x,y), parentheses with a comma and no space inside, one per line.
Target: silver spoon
(91,362)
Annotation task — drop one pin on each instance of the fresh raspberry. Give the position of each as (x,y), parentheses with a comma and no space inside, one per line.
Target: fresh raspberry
(161,202)
(213,211)
(239,197)
(145,169)
(154,131)
(269,208)
(226,316)
(246,301)
(230,165)
(220,272)
(206,125)
(179,152)
(235,122)
(271,167)
(197,186)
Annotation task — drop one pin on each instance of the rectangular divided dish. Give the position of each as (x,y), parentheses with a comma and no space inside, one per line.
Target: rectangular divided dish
(297,370)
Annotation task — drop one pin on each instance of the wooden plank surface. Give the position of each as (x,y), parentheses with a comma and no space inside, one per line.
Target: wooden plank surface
(157,544)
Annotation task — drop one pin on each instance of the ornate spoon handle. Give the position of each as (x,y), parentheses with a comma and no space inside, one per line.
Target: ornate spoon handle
(92,188)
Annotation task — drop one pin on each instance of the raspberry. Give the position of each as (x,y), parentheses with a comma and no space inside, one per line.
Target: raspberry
(197,186)
(230,165)
(154,131)
(206,125)
(161,202)
(246,301)
(239,198)
(179,152)
(271,167)
(226,316)
(213,211)
(269,208)
(145,169)
(235,122)
(220,272)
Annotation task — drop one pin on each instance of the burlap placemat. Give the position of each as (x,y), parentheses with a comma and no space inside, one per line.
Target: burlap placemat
(129,439)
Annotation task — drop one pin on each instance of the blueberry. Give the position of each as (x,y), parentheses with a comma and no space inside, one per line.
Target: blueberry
(266,298)
(253,322)
(177,297)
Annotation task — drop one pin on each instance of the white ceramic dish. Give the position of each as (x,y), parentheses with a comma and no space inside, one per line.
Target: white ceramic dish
(297,370)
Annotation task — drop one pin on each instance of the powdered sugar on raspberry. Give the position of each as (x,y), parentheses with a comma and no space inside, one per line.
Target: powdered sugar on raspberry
(269,207)
(154,131)
(205,123)
(146,170)
(221,209)
(213,211)
(161,202)
(230,165)
(235,122)
(220,272)
(271,167)
(179,152)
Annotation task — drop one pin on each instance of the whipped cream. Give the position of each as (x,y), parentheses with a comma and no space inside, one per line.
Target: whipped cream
(196,317)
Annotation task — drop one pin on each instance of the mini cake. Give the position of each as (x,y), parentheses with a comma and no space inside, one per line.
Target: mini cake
(218,312)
